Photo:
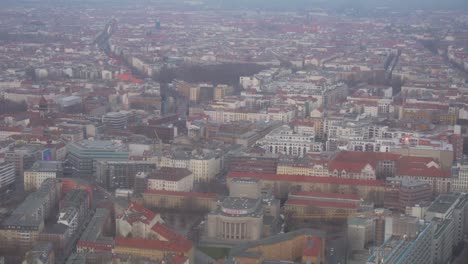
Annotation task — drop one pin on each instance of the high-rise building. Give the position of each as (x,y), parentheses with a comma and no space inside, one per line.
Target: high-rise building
(157,24)
(7,175)
(83,155)
(23,157)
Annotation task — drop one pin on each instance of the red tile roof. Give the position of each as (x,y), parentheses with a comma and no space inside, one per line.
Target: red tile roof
(348,166)
(417,167)
(185,194)
(301,178)
(313,247)
(148,215)
(128,77)
(178,259)
(170,246)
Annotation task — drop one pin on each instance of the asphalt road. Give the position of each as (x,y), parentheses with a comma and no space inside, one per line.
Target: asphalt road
(336,250)
(463,257)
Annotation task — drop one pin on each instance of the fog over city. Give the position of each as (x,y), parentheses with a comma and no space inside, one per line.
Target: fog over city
(234,131)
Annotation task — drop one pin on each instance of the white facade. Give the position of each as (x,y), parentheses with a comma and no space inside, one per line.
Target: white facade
(185,184)
(284,140)
(205,169)
(460,184)
(34,179)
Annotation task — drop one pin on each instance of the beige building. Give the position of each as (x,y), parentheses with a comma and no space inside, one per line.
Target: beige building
(204,164)
(170,179)
(180,200)
(39,172)
(238,219)
(360,232)
(443,154)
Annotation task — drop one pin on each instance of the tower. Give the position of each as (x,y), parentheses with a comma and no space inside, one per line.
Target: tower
(43,107)
(157,24)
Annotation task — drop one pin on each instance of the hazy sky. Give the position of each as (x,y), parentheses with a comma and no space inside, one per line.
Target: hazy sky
(288,4)
(403,4)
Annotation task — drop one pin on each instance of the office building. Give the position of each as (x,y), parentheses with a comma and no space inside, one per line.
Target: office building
(83,155)
(7,175)
(115,120)
(121,174)
(403,193)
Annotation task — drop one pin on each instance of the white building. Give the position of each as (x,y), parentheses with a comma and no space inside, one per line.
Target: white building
(170,179)
(285,140)
(460,180)
(204,164)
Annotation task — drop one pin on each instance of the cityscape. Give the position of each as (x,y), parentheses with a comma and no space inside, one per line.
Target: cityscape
(233,132)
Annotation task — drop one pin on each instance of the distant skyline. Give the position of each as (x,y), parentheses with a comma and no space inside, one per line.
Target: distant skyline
(289,4)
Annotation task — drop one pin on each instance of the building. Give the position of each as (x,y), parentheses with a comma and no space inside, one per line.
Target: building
(302,204)
(40,171)
(170,179)
(370,190)
(405,251)
(121,174)
(23,157)
(42,253)
(74,209)
(401,225)
(7,175)
(360,233)
(205,164)
(305,245)
(317,167)
(153,249)
(403,193)
(460,173)
(426,170)
(249,213)
(140,232)
(136,221)
(93,238)
(253,164)
(440,151)
(187,201)
(284,140)
(237,219)
(83,155)
(59,236)
(22,228)
(115,120)
(449,214)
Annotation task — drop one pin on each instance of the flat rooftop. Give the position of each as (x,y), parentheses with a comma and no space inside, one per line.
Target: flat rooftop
(443,203)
